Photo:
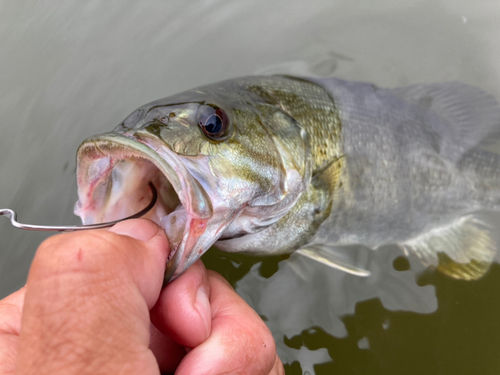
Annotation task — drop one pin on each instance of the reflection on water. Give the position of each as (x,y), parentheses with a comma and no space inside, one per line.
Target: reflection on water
(399,331)
(409,343)
(72,69)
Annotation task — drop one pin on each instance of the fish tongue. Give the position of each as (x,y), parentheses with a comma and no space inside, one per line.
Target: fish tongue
(174,225)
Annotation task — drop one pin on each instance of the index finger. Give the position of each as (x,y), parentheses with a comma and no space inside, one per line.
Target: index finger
(240,342)
(226,335)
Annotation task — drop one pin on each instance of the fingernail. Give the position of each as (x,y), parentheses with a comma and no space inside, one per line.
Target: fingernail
(140,229)
(202,304)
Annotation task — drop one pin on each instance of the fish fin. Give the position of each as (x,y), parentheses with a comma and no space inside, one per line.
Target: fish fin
(335,257)
(462,116)
(329,175)
(463,249)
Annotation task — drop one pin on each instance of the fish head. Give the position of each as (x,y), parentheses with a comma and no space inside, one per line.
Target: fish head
(215,158)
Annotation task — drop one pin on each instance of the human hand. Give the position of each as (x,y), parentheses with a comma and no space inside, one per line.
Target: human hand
(90,299)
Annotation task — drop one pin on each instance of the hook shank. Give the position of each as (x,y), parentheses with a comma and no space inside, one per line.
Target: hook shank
(11,214)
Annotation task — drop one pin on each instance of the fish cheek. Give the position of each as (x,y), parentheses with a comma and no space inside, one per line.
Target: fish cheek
(182,140)
(244,174)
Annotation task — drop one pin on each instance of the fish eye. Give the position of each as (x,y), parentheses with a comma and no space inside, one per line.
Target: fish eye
(213,122)
(164,119)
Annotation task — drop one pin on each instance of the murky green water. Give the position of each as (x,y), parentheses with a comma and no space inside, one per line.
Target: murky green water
(72,69)
(459,337)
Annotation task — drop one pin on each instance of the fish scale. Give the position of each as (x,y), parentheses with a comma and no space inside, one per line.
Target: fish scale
(313,108)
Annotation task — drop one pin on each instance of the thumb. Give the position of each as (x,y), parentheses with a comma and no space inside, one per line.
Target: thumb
(87,301)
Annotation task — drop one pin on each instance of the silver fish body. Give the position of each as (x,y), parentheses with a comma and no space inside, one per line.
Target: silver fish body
(270,165)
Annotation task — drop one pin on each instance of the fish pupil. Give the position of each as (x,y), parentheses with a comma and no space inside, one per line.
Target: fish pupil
(213,124)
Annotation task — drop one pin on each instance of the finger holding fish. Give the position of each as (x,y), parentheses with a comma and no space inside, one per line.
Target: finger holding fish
(202,312)
(86,305)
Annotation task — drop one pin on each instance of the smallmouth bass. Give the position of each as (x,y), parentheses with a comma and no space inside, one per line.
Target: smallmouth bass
(272,165)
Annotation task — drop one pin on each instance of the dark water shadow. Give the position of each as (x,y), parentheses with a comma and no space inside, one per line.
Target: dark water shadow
(461,337)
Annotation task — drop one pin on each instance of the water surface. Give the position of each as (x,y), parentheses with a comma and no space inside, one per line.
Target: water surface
(72,69)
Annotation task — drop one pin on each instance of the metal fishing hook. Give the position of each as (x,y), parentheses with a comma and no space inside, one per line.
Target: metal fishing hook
(69,228)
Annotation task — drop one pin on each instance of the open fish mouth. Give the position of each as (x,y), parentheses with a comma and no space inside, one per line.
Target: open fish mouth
(113,175)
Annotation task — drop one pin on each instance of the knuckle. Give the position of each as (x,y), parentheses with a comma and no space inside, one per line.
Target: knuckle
(261,348)
(268,345)
(214,276)
(11,317)
(278,368)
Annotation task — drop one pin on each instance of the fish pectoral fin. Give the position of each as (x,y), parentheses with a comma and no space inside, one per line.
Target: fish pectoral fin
(463,249)
(346,259)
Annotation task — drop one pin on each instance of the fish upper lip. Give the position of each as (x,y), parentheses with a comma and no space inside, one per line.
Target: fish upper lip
(192,195)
